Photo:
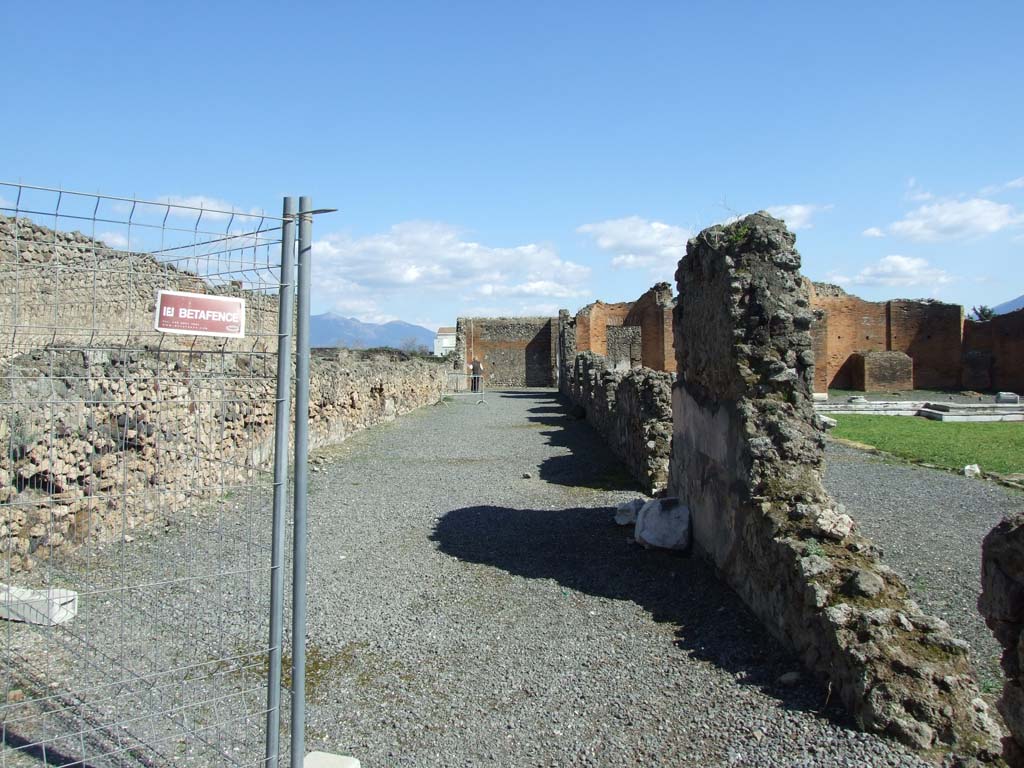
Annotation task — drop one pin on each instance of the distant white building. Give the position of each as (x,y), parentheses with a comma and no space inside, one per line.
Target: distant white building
(444,342)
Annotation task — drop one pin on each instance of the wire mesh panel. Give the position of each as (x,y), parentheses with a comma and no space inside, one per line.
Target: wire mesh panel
(467,384)
(135,483)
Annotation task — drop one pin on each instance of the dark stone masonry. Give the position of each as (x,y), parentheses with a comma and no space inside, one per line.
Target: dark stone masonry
(747,458)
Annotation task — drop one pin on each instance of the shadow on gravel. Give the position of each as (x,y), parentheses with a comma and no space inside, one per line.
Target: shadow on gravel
(584,551)
(590,464)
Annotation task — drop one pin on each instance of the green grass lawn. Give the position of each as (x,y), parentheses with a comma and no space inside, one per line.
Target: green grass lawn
(994,446)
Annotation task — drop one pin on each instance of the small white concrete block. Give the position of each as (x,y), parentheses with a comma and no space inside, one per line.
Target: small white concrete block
(856,399)
(971,470)
(663,523)
(38,606)
(1007,397)
(820,397)
(327,760)
(829,422)
(626,513)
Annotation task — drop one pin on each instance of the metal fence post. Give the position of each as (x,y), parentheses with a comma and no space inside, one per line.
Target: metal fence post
(298,742)
(281,425)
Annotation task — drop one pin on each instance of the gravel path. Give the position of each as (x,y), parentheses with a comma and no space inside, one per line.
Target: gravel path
(463,615)
(459,615)
(930,525)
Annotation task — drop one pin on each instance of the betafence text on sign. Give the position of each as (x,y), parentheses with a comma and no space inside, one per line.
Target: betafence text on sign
(200,314)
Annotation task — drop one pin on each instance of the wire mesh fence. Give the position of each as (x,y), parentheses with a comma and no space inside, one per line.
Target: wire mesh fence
(136,486)
(465,384)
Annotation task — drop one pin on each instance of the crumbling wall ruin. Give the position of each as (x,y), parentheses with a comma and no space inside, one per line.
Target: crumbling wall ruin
(1002,605)
(631,409)
(994,353)
(514,351)
(135,434)
(746,461)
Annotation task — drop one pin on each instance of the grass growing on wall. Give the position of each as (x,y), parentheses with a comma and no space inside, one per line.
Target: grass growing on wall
(994,446)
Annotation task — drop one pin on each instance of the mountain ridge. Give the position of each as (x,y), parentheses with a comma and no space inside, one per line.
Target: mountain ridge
(333,330)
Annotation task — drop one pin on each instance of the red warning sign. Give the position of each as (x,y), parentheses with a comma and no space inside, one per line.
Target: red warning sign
(200,314)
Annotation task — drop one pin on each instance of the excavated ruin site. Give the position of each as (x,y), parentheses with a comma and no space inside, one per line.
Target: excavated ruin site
(476,594)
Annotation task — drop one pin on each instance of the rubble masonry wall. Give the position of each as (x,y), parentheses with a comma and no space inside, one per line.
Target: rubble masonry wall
(746,460)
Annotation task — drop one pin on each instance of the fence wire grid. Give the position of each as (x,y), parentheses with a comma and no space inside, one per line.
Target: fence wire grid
(136,472)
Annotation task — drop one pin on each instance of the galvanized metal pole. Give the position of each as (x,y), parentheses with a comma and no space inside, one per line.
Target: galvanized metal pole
(281,424)
(301,482)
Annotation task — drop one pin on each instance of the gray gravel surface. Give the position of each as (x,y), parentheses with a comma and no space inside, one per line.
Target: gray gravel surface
(460,614)
(464,615)
(930,525)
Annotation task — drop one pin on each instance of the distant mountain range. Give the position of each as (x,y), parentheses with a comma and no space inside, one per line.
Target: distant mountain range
(1009,306)
(331,330)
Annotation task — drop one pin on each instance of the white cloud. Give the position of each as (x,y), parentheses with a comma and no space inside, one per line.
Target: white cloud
(1017,183)
(533,288)
(915,192)
(213,209)
(873,232)
(954,219)
(797,216)
(434,258)
(639,243)
(113,239)
(898,272)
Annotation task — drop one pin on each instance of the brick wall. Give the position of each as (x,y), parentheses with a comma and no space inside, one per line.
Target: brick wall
(652,312)
(591,322)
(999,342)
(930,332)
(854,325)
(883,371)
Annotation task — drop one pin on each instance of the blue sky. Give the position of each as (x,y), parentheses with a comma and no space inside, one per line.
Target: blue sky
(513,158)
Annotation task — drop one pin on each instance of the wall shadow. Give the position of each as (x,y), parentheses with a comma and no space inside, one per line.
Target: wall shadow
(582,549)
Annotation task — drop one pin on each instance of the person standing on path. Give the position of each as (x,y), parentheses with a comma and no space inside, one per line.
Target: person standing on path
(477,372)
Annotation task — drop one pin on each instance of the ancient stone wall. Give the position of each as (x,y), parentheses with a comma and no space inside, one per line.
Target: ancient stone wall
(882,371)
(66,288)
(994,353)
(90,436)
(632,410)
(514,351)
(746,461)
(625,347)
(928,331)
(593,319)
(1002,604)
(652,312)
(566,350)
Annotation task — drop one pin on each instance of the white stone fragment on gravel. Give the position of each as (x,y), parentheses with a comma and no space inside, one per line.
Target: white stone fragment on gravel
(834,524)
(663,523)
(971,470)
(326,760)
(626,512)
(38,606)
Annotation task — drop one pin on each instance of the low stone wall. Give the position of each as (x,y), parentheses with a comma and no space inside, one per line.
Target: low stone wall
(99,442)
(1002,604)
(632,410)
(746,460)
